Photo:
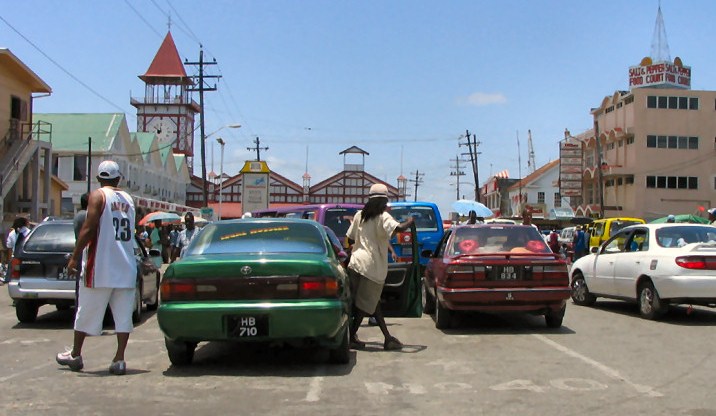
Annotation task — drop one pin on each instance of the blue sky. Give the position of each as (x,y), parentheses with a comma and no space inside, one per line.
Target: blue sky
(403,80)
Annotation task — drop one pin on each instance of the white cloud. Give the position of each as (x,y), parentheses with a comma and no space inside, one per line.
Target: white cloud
(482,98)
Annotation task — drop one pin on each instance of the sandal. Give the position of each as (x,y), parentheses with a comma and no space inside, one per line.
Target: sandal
(357,344)
(392,344)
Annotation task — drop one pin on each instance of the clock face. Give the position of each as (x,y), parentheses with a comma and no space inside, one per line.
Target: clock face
(164,128)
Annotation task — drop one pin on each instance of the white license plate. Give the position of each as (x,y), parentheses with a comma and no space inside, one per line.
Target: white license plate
(62,274)
(507,273)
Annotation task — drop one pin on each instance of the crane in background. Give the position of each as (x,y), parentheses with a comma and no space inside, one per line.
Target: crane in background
(531,153)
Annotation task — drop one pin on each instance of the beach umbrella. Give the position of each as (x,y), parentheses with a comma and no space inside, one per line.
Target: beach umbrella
(464,206)
(690,218)
(164,217)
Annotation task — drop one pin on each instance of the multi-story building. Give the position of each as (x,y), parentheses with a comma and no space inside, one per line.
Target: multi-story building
(25,181)
(652,151)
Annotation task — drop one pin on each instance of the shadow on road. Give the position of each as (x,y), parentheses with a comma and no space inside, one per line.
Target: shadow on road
(677,315)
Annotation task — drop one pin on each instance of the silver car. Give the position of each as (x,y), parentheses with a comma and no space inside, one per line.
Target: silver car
(38,272)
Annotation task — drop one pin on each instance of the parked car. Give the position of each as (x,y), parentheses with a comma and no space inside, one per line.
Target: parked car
(653,265)
(566,240)
(38,272)
(275,280)
(428,225)
(495,268)
(601,230)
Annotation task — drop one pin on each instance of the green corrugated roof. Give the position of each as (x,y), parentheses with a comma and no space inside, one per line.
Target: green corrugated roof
(164,151)
(179,160)
(144,140)
(70,131)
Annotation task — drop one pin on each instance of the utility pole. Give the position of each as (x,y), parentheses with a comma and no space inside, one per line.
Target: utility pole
(472,145)
(600,173)
(457,173)
(417,181)
(201,87)
(258,149)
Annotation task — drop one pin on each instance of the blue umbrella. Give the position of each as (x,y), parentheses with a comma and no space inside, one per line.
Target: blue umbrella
(464,206)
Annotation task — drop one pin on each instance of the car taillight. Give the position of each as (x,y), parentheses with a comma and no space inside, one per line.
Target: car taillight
(15,268)
(550,272)
(463,275)
(696,262)
(317,287)
(176,290)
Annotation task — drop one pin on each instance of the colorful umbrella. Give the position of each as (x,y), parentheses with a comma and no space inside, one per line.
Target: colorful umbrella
(464,206)
(164,217)
(683,218)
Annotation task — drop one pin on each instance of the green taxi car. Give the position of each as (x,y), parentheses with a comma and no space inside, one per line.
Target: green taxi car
(257,280)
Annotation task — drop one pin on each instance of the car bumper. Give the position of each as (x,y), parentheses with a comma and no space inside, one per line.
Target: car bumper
(505,299)
(688,287)
(318,321)
(64,290)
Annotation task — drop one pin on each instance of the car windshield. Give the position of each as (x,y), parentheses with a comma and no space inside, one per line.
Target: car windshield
(258,237)
(679,236)
(339,219)
(424,217)
(618,225)
(496,239)
(52,236)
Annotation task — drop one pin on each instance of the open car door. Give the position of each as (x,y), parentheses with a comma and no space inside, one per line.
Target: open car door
(401,295)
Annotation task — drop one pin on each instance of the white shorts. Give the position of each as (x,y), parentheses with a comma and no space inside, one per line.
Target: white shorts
(93,303)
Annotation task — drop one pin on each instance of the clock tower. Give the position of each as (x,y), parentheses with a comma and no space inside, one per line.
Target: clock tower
(167,108)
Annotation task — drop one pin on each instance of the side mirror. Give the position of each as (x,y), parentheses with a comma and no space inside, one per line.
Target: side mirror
(155,253)
(594,250)
(426,253)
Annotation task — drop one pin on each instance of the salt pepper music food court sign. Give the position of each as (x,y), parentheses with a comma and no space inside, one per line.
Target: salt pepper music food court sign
(660,74)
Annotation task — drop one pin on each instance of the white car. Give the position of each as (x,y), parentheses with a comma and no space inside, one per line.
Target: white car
(654,265)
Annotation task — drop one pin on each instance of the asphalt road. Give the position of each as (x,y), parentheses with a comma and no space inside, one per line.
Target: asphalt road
(604,360)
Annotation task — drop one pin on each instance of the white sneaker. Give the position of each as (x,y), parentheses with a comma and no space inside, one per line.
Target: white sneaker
(66,358)
(118,368)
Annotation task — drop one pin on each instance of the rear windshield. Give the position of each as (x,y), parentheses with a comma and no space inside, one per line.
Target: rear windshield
(51,237)
(425,218)
(339,219)
(681,236)
(498,239)
(258,237)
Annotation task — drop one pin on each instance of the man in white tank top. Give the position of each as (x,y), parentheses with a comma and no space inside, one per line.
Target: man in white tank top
(108,270)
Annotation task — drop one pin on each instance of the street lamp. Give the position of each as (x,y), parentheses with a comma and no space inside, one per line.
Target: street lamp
(203,159)
(221,175)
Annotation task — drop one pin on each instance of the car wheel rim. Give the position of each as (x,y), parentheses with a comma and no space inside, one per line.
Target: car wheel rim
(647,300)
(579,290)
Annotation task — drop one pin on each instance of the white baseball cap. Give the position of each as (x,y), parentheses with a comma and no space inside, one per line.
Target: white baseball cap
(712,211)
(108,169)
(378,190)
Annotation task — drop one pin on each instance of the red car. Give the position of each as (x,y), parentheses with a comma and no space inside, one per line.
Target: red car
(495,268)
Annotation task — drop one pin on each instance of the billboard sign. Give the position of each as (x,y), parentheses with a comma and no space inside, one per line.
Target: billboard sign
(660,74)
(570,167)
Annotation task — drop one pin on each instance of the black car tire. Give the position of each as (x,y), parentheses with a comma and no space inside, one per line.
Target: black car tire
(428,301)
(554,319)
(442,315)
(650,304)
(26,310)
(580,292)
(180,353)
(137,312)
(153,306)
(341,354)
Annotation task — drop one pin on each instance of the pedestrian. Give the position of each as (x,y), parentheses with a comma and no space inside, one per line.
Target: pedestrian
(14,240)
(554,241)
(712,216)
(77,222)
(580,243)
(186,235)
(471,217)
(670,218)
(370,234)
(173,237)
(108,269)
(155,235)
(165,243)
(527,219)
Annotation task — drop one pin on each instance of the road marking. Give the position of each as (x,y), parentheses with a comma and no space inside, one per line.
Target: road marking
(608,371)
(314,390)
(25,341)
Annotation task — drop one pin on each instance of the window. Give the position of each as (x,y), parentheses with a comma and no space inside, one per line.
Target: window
(663,102)
(672,182)
(673,103)
(557,200)
(672,142)
(693,103)
(630,140)
(540,197)
(80,170)
(651,101)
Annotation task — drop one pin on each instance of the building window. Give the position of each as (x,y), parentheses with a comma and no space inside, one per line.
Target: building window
(540,197)
(672,103)
(630,140)
(557,200)
(628,100)
(672,182)
(672,142)
(80,170)
(693,103)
